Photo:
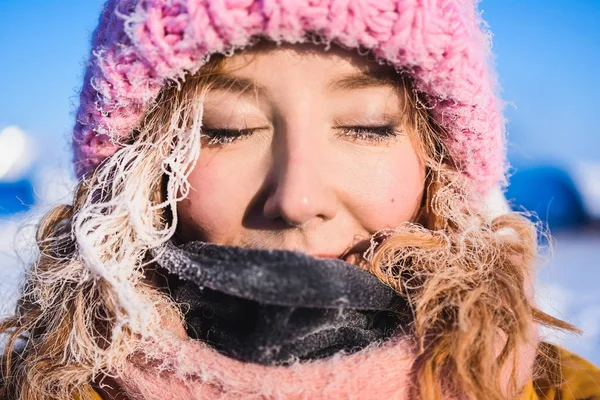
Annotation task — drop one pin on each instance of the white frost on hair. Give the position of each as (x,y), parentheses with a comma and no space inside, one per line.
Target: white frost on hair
(496,204)
(119,223)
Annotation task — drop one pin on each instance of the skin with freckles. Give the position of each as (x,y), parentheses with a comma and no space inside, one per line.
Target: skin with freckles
(302,150)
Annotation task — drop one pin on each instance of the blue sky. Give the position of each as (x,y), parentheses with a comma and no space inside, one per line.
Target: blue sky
(42,48)
(547,58)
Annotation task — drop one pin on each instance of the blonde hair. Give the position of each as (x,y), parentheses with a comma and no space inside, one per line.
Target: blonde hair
(87,295)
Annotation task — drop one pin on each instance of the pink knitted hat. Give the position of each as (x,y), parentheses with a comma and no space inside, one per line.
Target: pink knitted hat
(140,44)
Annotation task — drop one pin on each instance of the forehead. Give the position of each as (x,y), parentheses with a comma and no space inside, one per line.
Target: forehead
(333,59)
(258,69)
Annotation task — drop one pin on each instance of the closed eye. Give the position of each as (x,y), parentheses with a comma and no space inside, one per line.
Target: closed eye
(370,133)
(218,136)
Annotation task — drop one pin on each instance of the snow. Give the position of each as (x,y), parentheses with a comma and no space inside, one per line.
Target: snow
(53,186)
(568,289)
(17,153)
(587,177)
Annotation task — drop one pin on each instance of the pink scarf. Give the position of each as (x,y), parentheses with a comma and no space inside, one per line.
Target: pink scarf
(180,368)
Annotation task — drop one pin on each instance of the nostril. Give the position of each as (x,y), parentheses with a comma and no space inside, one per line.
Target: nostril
(294,223)
(300,193)
(295,210)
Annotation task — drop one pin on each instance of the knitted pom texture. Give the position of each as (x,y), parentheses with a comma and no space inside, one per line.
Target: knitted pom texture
(140,45)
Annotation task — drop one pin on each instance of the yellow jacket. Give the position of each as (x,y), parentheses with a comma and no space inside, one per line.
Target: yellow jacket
(574,379)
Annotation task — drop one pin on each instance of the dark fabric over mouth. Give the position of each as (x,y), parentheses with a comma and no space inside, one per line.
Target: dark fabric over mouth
(276,307)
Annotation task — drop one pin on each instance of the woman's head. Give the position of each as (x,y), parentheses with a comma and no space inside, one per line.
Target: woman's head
(303,149)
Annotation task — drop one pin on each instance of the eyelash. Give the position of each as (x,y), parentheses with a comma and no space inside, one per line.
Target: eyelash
(221,136)
(373,134)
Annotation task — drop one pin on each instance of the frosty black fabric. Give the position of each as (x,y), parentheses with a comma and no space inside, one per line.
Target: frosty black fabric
(274,307)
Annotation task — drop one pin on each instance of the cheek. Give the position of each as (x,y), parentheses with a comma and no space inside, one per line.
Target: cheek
(215,207)
(388,190)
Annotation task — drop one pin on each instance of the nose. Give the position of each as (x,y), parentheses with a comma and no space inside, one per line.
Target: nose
(301,190)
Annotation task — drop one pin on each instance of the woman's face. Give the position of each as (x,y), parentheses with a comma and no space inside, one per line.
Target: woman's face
(302,150)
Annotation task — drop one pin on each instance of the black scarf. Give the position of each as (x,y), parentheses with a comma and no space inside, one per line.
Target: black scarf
(274,307)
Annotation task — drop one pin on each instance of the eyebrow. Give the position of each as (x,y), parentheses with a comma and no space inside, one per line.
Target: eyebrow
(353,81)
(361,80)
(238,84)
